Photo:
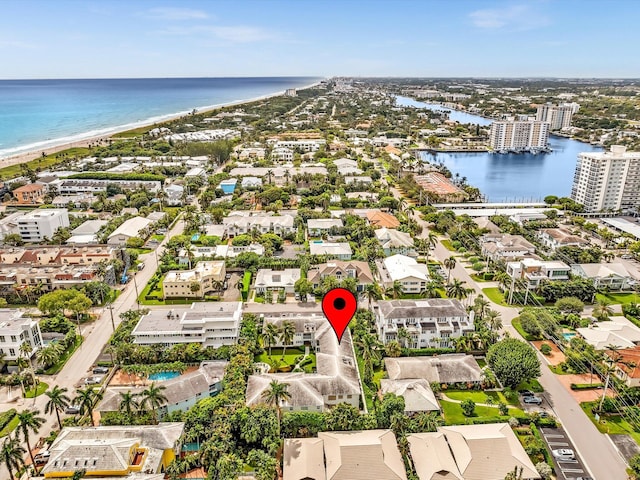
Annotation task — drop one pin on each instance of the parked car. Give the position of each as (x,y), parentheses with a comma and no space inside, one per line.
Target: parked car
(533,399)
(42,457)
(626,256)
(564,454)
(72,409)
(93,380)
(527,393)
(227,276)
(101,370)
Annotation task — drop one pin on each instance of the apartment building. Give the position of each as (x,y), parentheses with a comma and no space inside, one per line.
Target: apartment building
(519,136)
(207,275)
(29,194)
(39,224)
(537,271)
(557,116)
(210,325)
(90,185)
(413,276)
(238,223)
(503,246)
(15,329)
(607,181)
(301,145)
(430,323)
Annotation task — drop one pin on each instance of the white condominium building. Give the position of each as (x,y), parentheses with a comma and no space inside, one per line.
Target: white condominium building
(607,180)
(558,116)
(16,330)
(519,136)
(39,224)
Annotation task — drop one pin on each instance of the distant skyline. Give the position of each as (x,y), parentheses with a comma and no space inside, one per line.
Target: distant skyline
(397,38)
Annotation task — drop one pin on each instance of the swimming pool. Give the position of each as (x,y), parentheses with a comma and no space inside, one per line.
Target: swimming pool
(568,336)
(162,376)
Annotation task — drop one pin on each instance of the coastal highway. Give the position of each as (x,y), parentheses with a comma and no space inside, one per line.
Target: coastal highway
(96,336)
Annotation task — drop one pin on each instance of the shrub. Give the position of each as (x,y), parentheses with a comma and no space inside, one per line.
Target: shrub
(544,470)
(513,422)
(546,349)
(468,407)
(6,417)
(477,266)
(502,407)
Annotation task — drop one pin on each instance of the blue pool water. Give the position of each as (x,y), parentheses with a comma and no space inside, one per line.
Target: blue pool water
(568,336)
(195,237)
(162,376)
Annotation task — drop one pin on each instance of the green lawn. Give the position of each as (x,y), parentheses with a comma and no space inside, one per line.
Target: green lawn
(453,413)
(622,298)
(478,396)
(613,425)
(478,278)
(42,387)
(10,427)
(446,243)
(42,163)
(533,385)
(289,358)
(516,324)
(64,357)
(159,238)
(495,295)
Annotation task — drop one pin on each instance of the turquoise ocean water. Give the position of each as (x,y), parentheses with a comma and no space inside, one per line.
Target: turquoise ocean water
(36,114)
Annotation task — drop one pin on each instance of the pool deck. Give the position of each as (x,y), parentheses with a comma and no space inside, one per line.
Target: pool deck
(121,379)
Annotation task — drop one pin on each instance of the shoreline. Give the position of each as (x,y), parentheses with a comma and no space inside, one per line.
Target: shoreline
(64,143)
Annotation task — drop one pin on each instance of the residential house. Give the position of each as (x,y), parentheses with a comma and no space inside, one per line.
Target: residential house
(42,224)
(74,201)
(339,250)
(228,186)
(142,452)
(616,331)
(90,185)
(522,218)
(627,365)
(268,279)
(16,329)
(282,154)
(470,452)
(241,222)
(613,276)
(439,187)
(9,224)
(417,393)
(182,392)
(196,172)
(432,322)
(210,325)
(86,233)
(341,270)
(208,276)
(136,227)
(537,271)
(29,194)
(413,276)
(319,226)
(174,194)
(554,238)
(363,179)
(251,182)
(395,242)
(368,454)
(378,219)
(445,369)
(503,246)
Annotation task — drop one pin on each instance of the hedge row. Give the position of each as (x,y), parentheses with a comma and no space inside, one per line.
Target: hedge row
(585,386)
(6,417)
(422,352)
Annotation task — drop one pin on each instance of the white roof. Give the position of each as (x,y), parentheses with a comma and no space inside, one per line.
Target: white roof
(132,227)
(602,270)
(401,267)
(392,238)
(417,394)
(623,225)
(268,278)
(617,331)
(323,223)
(325,248)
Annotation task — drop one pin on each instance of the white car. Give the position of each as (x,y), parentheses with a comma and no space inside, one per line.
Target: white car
(564,454)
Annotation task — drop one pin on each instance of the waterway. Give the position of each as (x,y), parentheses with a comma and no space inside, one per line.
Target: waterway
(510,177)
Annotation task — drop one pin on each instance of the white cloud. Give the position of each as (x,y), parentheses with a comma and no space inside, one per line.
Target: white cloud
(515,17)
(171,13)
(16,44)
(231,33)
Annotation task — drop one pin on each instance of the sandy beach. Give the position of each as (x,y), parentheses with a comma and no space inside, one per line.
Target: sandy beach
(85,142)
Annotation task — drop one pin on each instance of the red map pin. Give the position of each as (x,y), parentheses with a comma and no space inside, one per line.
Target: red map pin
(339,306)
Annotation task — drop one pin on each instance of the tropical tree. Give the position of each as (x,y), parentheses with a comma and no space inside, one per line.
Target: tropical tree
(153,398)
(270,335)
(395,290)
(287,332)
(58,401)
(373,292)
(12,455)
(370,350)
(128,403)
(86,399)
(275,395)
(457,289)
(513,361)
(449,264)
(494,320)
(602,311)
(29,422)
(393,349)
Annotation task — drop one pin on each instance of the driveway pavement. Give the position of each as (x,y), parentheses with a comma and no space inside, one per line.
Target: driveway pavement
(567,468)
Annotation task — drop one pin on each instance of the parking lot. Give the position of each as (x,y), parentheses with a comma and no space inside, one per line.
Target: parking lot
(566,469)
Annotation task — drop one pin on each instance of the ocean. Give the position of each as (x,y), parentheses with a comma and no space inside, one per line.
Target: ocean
(36,114)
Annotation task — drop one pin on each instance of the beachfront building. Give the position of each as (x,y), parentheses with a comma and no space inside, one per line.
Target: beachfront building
(341,270)
(534,271)
(210,325)
(182,392)
(339,250)
(413,276)
(16,329)
(607,181)
(241,222)
(30,194)
(136,227)
(142,451)
(40,225)
(368,454)
(90,185)
(440,188)
(267,279)
(519,136)
(395,242)
(206,277)
(429,323)
(557,116)
(304,145)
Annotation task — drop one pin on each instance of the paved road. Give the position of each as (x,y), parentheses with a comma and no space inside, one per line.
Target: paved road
(602,460)
(96,336)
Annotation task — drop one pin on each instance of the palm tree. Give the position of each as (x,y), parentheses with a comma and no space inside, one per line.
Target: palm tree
(403,336)
(29,421)
(128,403)
(457,289)
(449,264)
(270,335)
(12,455)
(25,351)
(286,335)
(602,311)
(86,399)
(153,398)
(395,290)
(480,306)
(494,320)
(369,348)
(373,292)
(58,401)
(275,395)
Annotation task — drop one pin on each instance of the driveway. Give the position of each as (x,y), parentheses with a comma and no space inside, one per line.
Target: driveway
(556,438)
(232,294)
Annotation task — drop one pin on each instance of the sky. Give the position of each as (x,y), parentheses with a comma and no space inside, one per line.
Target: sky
(400,38)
